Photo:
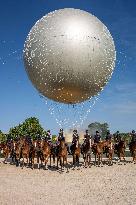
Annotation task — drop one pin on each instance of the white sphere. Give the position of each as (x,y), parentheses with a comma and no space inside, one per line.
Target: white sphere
(69,55)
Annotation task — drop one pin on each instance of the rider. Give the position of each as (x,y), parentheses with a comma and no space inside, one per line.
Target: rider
(9,141)
(28,139)
(117,137)
(97,137)
(61,135)
(87,135)
(108,136)
(133,136)
(48,136)
(75,138)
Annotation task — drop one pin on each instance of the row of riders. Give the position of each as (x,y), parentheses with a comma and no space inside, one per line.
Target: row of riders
(43,149)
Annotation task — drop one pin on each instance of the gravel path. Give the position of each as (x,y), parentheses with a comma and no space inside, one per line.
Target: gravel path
(113,185)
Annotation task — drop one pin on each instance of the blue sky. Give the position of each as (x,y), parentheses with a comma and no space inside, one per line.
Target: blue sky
(18,98)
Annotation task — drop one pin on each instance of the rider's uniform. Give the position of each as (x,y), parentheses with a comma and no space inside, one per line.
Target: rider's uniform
(97,138)
(108,137)
(133,139)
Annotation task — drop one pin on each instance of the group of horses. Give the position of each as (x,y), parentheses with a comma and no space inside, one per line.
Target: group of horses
(44,152)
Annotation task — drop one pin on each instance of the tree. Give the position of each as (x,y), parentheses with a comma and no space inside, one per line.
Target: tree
(96,126)
(30,126)
(2,136)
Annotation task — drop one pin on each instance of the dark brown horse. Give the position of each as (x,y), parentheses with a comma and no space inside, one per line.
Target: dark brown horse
(76,150)
(62,154)
(132,148)
(37,152)
(86,151)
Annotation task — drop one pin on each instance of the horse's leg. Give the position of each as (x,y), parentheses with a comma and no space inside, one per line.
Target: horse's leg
(98,159)
(73,161)
(57,162)
(61,163)
(32,162)
(124,158)
(27,158)
(101,162)
(66,164)
(45,157)
(89,162)
(23,162)
(50,160)
(95,159)
(54,158)
(119,157)
(85,160)
(38,161)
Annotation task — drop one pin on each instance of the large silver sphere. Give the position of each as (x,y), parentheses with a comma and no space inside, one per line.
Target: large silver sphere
(69,55)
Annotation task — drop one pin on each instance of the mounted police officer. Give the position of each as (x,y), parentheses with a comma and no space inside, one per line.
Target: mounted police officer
(97,137)
(87,136)
(28,139)
(108,136)
(117,139)
(75,138)
(9,141)
(61,135)
(133,136)
(48,136)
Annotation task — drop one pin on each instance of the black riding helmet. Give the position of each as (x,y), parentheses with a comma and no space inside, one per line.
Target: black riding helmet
(133,131)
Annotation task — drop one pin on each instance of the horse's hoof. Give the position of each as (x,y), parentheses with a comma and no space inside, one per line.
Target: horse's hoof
(73,168)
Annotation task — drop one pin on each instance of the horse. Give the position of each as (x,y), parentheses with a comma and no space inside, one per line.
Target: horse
(120,150)
(109,150)
(132,148)
(97,149)
(25,152)
(62,154)
(53,152)
(76,150)
(37,152)
(6,151)
(86,151)
(46,153)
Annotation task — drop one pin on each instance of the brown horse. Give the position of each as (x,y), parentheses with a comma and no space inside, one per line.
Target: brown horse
(109,150)
(46,152)
(98,151)
(62,154)
(6,152)
(76,150)
(120,150)
(132,148)
(37,152)
(86,151)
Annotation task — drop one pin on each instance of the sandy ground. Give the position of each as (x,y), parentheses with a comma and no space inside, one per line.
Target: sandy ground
(88,186)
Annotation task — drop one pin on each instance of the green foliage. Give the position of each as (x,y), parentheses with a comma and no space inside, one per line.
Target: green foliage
(54,137)
(2,136)
(101,127)
(30,126)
